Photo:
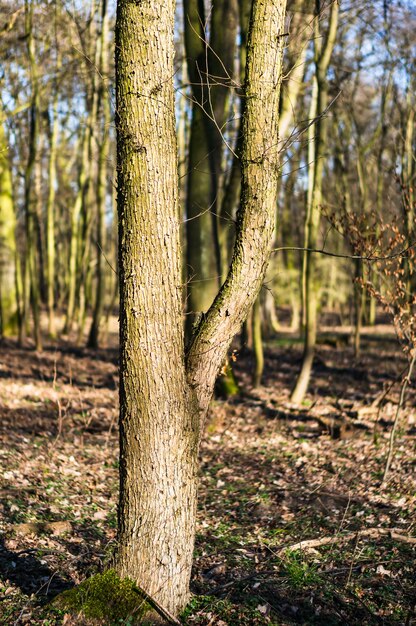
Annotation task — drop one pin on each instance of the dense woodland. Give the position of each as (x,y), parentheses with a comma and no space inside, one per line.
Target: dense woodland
(233,184)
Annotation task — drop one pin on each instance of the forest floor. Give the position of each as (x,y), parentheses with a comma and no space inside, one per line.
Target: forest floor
(272,475)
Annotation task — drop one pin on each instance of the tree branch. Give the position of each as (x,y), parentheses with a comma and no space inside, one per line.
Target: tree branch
(353,257)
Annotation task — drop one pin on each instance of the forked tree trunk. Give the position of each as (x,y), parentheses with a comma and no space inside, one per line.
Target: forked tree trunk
(164,395)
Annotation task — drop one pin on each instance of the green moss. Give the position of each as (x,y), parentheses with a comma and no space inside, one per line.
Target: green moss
(105,597)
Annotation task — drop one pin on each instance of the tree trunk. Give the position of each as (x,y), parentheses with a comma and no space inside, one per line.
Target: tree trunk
(323,54)
(257,344)
(159,420)
(75,230)
(163,403)
(32,293)
(9,310)
(201,258)
(50,206)
(104,106)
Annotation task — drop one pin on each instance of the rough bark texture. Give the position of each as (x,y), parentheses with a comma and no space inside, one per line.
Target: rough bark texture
(163,404)
(159,429)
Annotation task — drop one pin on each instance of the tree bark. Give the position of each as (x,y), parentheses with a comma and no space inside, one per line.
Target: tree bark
(32,294)
(163,396)
(159,420)
(256,217)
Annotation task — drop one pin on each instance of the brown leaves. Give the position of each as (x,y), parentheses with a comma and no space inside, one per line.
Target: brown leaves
(388,279)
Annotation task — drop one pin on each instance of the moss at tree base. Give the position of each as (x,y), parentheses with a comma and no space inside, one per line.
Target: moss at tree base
(107,598)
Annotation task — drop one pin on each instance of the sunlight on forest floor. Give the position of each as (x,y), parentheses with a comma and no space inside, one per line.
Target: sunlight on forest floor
(272,474)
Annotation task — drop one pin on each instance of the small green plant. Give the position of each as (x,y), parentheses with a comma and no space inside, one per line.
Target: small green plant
(105,597)
(299,572)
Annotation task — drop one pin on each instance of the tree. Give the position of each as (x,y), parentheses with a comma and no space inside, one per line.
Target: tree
(9,305)
(317,146)
(104,104)
(32,282)
(165,393)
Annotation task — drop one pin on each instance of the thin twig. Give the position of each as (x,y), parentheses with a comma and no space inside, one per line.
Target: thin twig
(354,257)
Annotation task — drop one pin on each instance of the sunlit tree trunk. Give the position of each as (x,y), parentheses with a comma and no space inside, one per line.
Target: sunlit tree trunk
(75,231)
(9,305)
(323,52)
(295,58)
(159,418)
(81,218)
(257,344)
(164,396)
(408,174)
(50,207)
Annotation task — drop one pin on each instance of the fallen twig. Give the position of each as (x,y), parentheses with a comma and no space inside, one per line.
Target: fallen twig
(374,533)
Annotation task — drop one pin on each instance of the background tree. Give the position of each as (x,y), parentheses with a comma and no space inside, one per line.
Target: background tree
(316,154)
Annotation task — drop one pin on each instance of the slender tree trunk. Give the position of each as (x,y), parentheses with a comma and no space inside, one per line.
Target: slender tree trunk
(50,207)
(231,194)
(163,402)
(75,233)
(103,104)
(256,217)
(81,219)
(257,344)
(220,81)
(323,54)
(9,304)
(32,294)
(50,219)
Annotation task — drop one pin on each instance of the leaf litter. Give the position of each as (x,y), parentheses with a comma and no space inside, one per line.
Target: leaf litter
(272,475)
